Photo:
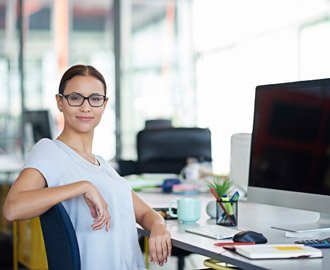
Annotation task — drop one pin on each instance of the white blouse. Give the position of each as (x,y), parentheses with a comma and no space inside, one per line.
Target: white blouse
(116,249)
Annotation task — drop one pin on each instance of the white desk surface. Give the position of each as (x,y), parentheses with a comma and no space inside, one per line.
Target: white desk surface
(251,216)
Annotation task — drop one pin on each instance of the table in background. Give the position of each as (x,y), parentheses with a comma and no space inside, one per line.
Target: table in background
(251,216)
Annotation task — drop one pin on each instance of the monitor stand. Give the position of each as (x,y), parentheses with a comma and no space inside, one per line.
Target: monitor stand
(323,224)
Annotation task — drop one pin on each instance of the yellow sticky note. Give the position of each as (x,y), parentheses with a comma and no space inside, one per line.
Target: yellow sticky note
(288,248)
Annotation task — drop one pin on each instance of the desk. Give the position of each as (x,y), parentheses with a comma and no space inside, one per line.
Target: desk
(263,217)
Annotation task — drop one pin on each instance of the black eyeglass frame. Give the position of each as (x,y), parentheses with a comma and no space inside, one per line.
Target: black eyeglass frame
(105,98)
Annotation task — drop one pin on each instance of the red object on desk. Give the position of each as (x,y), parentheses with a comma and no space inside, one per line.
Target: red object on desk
(222,244)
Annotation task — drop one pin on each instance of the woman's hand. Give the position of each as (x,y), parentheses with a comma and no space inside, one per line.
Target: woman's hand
(98,207)
(160,245)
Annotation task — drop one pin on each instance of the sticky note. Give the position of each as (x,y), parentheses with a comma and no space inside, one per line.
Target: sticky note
(288,248)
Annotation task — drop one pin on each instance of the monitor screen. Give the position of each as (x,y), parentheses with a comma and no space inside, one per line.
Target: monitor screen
(290,147)
(38,123)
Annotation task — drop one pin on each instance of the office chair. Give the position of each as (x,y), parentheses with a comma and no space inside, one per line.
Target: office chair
(158,123)
(166,150)
(127,167)
(60,239)
(215,264)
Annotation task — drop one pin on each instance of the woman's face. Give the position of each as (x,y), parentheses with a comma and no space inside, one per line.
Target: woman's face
(85,118)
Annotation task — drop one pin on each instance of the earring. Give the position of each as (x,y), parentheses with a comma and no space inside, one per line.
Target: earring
(60,110)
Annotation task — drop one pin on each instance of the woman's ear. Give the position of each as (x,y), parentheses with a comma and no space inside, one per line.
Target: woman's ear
(59,102)
(105,102)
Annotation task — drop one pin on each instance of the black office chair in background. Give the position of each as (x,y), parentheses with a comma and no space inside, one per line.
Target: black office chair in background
(60,239)
(166,150)
(158,123)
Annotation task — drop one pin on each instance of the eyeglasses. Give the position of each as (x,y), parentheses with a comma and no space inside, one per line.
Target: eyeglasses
(76,99)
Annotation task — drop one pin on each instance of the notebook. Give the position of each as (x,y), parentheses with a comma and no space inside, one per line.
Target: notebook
(279,251)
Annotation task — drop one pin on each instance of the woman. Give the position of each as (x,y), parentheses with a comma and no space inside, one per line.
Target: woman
(101,205)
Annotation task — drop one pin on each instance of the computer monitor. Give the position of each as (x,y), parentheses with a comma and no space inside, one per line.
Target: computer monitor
(37,125)
(290,149)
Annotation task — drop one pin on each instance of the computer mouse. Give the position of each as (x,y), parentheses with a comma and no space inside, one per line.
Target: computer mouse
(250,236)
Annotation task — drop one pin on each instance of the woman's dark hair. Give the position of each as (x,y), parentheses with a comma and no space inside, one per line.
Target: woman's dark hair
(81,70)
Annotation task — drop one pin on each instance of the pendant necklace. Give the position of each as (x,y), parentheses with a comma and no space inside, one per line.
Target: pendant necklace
(90,158)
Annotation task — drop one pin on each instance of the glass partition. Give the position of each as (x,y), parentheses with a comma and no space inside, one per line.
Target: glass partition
(196,62)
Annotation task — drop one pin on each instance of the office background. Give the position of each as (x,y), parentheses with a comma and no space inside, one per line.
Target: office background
(196,62)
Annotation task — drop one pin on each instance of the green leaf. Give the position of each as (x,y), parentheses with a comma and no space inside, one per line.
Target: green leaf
(221,186)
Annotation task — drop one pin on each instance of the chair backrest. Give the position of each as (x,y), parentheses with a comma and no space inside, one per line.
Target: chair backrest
(158,123)
(166,150)
(60,239)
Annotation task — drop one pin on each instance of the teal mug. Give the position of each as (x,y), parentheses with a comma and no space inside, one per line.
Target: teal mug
(188,210)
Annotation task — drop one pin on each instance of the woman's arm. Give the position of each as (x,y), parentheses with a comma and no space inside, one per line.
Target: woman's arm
(29,197)
(160,246)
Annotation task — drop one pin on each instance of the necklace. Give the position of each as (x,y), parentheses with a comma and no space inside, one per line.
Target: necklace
(89,157)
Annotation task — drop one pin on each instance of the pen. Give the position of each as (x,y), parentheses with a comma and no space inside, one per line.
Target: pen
(234,197)
(221,205)
(227,204)
(234,244)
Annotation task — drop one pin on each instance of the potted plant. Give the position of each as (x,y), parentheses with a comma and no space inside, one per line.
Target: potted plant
(220,186)
(226,209)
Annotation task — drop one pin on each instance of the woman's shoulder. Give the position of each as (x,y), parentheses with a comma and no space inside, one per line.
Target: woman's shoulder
(45,143)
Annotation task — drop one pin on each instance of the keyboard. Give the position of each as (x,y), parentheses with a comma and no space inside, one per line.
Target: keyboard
(216,232)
